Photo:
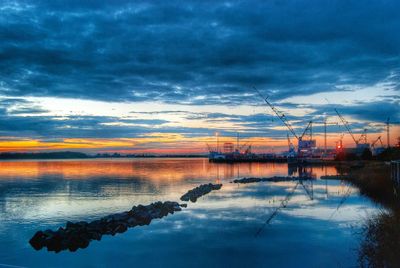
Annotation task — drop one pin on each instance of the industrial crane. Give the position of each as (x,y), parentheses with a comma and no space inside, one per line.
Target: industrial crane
(307,131)
(247,144)
(363,137)
(377,150)
(210,148)
(375,141)
(290,146)
(346,125)
(280,115)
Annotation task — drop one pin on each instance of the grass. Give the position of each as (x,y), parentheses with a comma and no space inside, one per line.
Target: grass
(373,181)
(381,244)
(381,233)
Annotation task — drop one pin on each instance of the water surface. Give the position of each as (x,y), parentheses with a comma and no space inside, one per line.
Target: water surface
(318,228)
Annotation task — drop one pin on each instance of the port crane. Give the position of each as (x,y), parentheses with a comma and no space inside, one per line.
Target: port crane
(325,123)
(280,115)
(247,146)
(290,144)
(375,141)
(283,118)
(307,131)
(210,148)
(347,126)
(363,137)
(362,143)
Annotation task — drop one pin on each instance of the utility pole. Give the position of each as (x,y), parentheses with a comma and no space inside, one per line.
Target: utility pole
(387,132)
(217,142)
(237,140)
(325,136)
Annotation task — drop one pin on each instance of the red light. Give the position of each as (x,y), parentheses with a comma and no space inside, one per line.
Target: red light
(338,146)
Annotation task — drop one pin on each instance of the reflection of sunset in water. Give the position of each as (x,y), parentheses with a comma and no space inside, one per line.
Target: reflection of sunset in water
(152,169)
(115,183)
(45,194)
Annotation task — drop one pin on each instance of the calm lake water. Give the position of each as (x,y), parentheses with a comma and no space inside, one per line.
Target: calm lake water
(318,228)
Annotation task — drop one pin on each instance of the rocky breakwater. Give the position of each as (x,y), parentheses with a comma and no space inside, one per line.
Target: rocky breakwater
(199,191)
(270,179)
(334,177)
(80,234)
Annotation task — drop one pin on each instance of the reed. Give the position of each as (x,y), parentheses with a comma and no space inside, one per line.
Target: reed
(380,246)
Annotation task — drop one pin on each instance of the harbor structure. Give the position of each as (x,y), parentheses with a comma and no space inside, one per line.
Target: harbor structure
(307,150)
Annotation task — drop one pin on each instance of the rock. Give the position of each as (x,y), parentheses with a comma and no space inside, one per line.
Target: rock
(121,228)
(69,225)
(54,243)
(199,191)
(270,179)
(37,240)
(142,216)
(247,180)
(73,242)
(121,216)
(48,233)
(132,222)
(96,236)
(83,242)
(333,177)
(79,234)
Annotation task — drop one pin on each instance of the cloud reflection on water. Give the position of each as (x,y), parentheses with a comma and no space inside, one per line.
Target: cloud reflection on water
(224,221)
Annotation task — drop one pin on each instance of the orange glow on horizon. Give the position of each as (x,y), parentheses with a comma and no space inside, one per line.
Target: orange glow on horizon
(173,143)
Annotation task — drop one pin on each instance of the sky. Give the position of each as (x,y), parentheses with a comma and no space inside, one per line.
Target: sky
(166,76)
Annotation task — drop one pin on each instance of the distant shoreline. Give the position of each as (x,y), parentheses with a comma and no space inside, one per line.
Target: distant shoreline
(79,155)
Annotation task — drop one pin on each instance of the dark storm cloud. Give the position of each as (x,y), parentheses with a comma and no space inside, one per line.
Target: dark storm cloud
(377,111)
(195,52)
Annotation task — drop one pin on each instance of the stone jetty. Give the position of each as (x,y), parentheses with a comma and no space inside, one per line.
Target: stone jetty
(334,177)
(199,191)
(80,234)
(270,179)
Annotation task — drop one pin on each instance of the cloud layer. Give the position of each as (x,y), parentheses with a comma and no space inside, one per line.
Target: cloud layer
(196,53)
(181,53)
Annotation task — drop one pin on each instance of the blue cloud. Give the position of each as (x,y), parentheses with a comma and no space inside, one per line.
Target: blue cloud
(199,52)
(172,52)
